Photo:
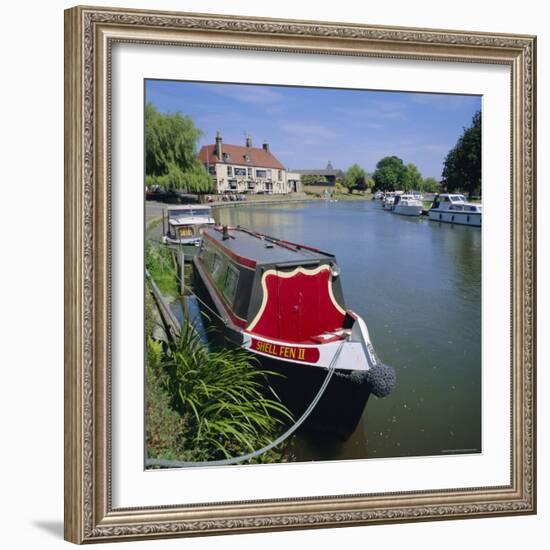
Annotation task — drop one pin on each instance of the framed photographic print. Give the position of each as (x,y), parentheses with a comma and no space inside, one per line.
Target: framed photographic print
(300,282)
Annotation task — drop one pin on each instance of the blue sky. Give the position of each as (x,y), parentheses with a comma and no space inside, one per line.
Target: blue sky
(307,127)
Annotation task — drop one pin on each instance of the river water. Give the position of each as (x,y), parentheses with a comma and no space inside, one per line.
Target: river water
(417,284)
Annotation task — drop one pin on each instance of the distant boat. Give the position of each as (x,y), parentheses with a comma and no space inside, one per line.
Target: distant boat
(387,202)
(453,208)
(407,205)
(283,302)
(185,224)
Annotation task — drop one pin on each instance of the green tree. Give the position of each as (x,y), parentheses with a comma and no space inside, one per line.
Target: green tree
(413,178)
(355,179)
(171,152)
(313,180)
(462,167)
(390,174)
(430,185)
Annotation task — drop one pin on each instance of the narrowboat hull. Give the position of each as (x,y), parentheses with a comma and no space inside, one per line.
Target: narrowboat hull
(339,410)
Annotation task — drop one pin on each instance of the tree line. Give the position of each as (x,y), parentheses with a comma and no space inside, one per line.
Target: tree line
(391,174)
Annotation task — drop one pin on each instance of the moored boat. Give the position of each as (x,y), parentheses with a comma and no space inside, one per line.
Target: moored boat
(407,205)
(453,208)
(284,303)
(185,224)
(388,201)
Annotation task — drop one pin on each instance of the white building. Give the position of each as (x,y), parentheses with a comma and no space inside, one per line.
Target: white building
(244,169)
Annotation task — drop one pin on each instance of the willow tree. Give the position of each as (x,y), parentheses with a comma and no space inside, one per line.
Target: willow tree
(171,152)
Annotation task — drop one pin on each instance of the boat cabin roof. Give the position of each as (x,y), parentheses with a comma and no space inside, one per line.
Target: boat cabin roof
(262,249)
(453,197)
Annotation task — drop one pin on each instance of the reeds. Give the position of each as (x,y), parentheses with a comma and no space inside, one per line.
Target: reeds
(222,398)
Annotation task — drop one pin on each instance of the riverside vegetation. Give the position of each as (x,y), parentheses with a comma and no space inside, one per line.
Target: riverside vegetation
(204,404)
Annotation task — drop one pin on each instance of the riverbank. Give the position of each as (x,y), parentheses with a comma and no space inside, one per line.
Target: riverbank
(286,199)
(257,200)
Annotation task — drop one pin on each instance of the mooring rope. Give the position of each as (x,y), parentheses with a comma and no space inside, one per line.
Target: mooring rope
(274,443)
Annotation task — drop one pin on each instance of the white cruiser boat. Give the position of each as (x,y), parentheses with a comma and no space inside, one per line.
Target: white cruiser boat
(184,224)
(453,208)
(407,205)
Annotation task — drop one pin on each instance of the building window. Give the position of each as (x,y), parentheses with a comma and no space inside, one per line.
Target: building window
(230,171)
(261,173)
(226,157)
(212,169)
(280,175)
(240,171)
(249,172)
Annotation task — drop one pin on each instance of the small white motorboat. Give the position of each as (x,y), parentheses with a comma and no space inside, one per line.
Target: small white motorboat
(407,205)
(387,201)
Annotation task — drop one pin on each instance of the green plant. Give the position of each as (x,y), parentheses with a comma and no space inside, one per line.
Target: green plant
(161,265)
(355,179)
(165,428)
(222,396)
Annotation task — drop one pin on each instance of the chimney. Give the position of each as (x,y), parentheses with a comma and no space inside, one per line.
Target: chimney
(248,141)
(219,145)
(265,147)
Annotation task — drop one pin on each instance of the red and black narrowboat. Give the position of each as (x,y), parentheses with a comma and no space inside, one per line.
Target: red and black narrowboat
(284,303)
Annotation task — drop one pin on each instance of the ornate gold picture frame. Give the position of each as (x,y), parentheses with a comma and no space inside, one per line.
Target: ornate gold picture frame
(90,34)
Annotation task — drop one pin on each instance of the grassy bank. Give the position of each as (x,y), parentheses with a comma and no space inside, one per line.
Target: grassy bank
(161,264)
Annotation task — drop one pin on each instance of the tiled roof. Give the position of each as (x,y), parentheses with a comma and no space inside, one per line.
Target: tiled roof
(257,157)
